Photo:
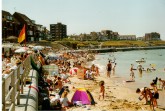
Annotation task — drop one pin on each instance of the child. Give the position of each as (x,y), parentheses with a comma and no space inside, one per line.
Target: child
(162,82)
(155,94)
(102,90)
(64,100)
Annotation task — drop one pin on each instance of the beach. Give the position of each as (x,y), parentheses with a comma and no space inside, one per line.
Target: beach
(119,95)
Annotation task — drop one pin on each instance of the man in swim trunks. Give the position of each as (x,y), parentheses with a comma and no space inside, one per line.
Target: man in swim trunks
(109,68)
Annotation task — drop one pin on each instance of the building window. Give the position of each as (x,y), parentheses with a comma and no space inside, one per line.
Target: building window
(30,32)
(8,18)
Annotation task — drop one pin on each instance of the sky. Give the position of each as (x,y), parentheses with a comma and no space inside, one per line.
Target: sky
(127,17)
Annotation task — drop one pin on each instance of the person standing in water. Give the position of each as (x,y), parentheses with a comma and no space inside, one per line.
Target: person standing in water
(109,68)
(113,69)
(132,75)
(140,68)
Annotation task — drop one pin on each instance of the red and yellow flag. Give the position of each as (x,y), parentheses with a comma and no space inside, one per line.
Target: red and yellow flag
(22,35)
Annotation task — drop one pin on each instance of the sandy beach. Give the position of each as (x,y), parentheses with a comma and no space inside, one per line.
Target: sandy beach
(117,96)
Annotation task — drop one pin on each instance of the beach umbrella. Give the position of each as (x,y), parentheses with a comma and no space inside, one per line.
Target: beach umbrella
(21,50)
(12,38)
(73,71)
(38,47)
(26,48)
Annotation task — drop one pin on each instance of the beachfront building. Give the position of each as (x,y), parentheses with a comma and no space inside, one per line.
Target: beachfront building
(140,38)
(110,35)
(127,37)
(29,26)
(84,37)
(58,31)
(40,32)
(10,25)
(13,24)
(152,36)
(107,33)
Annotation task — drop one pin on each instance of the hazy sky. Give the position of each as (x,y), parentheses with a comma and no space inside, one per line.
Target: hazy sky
(135,17)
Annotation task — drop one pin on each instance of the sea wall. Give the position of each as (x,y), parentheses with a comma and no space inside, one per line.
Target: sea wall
(104,50)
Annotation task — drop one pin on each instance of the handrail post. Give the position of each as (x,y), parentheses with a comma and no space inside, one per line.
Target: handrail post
(3,95)
(13,86)
(18,84)
(22,82)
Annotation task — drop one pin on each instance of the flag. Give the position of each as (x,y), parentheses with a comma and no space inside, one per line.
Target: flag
(22,35)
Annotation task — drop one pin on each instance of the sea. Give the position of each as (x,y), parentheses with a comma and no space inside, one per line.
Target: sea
(123,59)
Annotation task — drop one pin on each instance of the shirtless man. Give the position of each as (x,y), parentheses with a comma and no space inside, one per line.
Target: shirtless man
(60,85)
(109,68)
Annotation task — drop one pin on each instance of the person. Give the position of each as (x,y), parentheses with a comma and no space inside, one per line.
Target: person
(55,101)
(97,71)
(145,93)
(155,94)
(64,100)
(109,68)
(59,83)
(88,74)
(132,75)
(162,82)
(113,69)
(102,90)
(140,68)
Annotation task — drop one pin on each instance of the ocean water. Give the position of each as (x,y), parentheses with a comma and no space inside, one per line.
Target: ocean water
(124,60)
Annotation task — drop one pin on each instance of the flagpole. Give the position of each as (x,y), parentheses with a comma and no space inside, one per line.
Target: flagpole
(25,36)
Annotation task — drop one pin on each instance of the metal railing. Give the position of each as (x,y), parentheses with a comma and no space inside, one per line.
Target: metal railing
(17,84)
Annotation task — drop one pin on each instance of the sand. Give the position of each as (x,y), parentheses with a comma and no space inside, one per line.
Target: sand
(117,96)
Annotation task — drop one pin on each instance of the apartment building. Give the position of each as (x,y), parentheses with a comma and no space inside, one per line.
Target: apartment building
(127,37)
(110,34)
(29,26)
(10,25)
(152,36)
(58,31)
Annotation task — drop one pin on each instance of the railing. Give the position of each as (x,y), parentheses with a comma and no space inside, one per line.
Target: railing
(18,81)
